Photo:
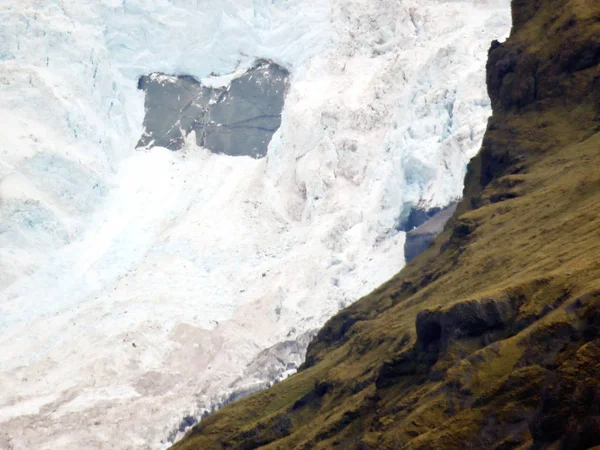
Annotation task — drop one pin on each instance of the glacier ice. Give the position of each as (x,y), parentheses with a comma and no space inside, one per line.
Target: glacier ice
(204,261)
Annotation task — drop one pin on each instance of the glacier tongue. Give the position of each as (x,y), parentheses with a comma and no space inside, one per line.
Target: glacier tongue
(139,287)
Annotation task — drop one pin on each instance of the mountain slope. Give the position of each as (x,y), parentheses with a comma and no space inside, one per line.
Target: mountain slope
(491,338)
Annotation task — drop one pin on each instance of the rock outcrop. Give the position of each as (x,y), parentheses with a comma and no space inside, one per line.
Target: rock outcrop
(419,238)
(237,120)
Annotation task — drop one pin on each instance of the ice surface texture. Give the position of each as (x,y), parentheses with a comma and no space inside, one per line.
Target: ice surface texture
(204,260)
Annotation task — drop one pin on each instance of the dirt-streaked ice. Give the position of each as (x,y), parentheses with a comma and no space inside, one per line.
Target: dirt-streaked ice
(137,287)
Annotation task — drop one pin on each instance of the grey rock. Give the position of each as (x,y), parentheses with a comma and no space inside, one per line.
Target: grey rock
(417,216)
(239,120)
(418,239)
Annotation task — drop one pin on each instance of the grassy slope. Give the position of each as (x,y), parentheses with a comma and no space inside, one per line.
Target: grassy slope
(491,338)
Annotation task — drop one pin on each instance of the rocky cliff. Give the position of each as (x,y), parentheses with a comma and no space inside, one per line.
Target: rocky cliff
(490,339)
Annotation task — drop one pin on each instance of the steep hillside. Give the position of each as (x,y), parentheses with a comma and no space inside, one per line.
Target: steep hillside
(491,338)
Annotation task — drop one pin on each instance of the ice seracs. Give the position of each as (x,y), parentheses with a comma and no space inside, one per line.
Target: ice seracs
(203,260)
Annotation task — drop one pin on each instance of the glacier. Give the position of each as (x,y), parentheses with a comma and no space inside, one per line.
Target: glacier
(139,287)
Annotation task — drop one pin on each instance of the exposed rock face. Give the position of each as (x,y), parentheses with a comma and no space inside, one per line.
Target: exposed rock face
(419,238)
(417,216)
(237,120)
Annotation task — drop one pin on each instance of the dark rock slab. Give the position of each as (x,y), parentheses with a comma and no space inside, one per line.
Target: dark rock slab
(419,238)
(238,120)
(417,216)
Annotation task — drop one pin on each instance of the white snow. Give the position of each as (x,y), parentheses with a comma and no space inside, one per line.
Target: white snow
(204,260)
